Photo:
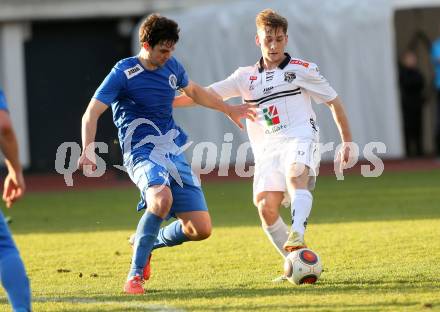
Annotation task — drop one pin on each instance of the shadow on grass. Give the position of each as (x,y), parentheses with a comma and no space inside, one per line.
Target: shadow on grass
(149,302)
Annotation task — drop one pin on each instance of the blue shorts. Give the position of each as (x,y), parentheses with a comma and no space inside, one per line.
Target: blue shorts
(186,197)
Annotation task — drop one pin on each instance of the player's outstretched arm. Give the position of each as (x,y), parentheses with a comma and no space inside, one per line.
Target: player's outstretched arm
(88,130)
(183,101)
(208,99)
(14,185)
(340,117)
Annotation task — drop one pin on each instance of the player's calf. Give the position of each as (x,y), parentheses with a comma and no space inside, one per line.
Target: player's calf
(146,274)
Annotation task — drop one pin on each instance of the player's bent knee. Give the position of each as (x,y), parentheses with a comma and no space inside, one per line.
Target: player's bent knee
(299,176)
(299,182)
(164,202)
(160,205)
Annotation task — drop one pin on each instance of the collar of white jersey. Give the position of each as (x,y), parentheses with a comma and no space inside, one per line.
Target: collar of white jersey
(283,64)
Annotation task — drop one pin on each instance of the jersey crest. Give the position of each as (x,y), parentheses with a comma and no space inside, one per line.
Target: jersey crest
(172,80)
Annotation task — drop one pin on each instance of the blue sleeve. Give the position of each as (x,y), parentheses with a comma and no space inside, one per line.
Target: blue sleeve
(182,76)
(3,105)
(436,51)
(110,89)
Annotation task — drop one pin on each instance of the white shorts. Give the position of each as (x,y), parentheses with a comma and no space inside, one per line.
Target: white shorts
(275,160)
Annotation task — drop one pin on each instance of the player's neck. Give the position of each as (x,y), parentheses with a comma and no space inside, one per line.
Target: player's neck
(268,65)
(144,58)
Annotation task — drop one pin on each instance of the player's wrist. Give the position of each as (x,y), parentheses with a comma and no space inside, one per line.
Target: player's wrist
(227,110)
(14,168)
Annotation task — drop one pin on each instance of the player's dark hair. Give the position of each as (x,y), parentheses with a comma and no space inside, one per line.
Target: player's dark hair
(157,28)
(272,19)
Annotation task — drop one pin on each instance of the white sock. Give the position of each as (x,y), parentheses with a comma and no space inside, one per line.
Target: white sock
(301,207)
(277,234)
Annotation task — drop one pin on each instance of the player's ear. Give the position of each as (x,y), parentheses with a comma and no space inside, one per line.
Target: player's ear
(257,40)
(146,46)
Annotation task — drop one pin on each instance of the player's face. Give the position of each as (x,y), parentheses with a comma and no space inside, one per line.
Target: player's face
(272,42)
(161,53)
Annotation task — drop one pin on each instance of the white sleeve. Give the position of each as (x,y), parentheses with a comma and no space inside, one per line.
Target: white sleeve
(315,84)
(229,87)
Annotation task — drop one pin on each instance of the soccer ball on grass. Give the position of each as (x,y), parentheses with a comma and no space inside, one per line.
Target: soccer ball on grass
(302,266)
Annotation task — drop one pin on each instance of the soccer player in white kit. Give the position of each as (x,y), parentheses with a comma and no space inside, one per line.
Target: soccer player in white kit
(284,136)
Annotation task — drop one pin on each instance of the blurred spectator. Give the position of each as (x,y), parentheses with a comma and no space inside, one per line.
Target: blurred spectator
(411,94)
(436,60)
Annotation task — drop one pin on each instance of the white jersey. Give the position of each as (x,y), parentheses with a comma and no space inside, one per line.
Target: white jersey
(283,99)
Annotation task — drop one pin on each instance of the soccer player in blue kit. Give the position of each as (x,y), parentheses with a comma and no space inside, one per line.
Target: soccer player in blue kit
(12,271)
(140,91)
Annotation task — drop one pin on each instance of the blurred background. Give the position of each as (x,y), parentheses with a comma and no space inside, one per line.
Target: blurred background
(55,53)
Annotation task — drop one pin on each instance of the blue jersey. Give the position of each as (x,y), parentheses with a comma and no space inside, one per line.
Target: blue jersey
(436,60)
(134,92)
(3,104)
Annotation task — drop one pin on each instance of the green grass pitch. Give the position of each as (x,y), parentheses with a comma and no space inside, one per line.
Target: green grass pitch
(379,240)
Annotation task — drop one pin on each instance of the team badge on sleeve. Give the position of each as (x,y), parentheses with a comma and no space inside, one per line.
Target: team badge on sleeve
(289,76)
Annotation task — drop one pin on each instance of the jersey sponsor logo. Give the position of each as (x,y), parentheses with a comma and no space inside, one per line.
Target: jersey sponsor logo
(133,71)
(251,85)
(267,90)
(298,62)
(172,80)
(273,120)
(289,76)
(271,115)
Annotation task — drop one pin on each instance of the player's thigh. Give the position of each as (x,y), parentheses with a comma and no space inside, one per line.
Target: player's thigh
(152,181)
(196,224)
(268,204)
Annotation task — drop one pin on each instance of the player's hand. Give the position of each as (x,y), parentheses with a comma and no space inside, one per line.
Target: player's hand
(344,156)
(14,188)
(237,112)
(84,163)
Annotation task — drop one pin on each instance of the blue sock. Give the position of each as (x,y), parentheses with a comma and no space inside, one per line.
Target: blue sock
(15,281)
(170,235)
(12,272)
(146,234)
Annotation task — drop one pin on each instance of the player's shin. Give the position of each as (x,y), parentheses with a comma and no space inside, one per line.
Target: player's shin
(301,207)
(170,235)
(146,234)
(277,234)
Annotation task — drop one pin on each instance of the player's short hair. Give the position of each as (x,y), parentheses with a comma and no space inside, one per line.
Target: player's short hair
(272,19)
(157,28)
